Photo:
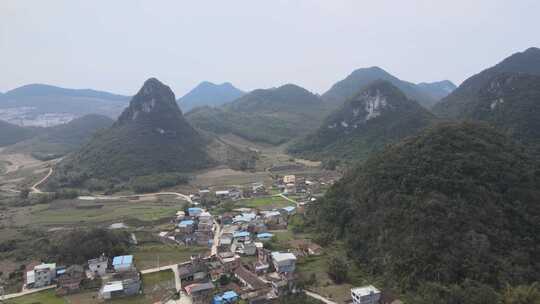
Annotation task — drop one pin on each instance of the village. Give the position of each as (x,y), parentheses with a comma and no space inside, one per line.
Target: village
(244,263)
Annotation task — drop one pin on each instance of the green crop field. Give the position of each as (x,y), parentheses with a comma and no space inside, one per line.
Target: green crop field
(267,202)
(76,213)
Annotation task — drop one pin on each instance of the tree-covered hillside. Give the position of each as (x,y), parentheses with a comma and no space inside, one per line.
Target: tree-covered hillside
(511,103)
(361,78)
(265,115)
(377,115)
(10,133)
(452,211)
(59,140)
(459,103)
(151,136)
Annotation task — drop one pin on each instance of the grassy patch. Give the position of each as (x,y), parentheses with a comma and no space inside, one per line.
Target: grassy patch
(146,256)
(317,266)
(267,202)
(81,212)
(157,278)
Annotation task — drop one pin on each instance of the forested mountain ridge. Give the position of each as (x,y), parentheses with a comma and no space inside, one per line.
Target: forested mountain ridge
(10,133)
(271,116)
(451,210)
(150,136)
(375,116)
(511,103)
(59,140)
(459,103)
(361,78)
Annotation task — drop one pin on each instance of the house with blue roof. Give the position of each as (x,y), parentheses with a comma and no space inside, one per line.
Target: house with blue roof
(186,226)
(195,211)
(289,210)
(241,236)
(244,218)
(123,263)
(226,298)
(265,236)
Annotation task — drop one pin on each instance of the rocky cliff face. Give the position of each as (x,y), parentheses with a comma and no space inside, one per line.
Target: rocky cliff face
(150,136)
(377,115)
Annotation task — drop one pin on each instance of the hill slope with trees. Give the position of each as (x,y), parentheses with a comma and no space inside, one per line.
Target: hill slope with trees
(378,115)
(60,140)
(151,136)
(461,102)
(451,215)
(361,78)
(271,116)
(10,133)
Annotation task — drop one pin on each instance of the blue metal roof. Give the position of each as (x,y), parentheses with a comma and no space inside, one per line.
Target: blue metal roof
(226,297)
(186,222)
(122,260)
(194,210)
(229,295)
(289,208)
(240,234)
(264,235)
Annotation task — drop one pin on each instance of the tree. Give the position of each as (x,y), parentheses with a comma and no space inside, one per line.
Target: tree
(24,193)
(523,294)
(338,270)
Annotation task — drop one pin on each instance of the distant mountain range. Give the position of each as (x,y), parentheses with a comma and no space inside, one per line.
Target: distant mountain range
(425,94)
(438,89)
(209,94)
(462,101)
(265,115)
(40,104)
(60,140)
(377,115)
(151,136)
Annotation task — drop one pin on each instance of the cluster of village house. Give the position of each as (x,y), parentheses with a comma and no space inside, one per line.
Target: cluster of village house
(287,185)
(265,276)
(119,276)
(253,273)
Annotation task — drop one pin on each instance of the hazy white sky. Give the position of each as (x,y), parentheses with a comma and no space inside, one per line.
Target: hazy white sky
(115,45)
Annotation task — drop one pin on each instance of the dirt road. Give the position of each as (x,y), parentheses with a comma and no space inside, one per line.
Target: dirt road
(34,188)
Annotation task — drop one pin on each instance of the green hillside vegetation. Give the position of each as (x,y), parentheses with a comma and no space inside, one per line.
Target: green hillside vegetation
(253,127)
(511,102)
(151,136)
(460,103)
(10,133)
(449,216)
(60,140)
(376,116)
(361,78)
(271,116)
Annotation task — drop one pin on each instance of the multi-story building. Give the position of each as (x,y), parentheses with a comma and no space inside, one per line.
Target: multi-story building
(365,295)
